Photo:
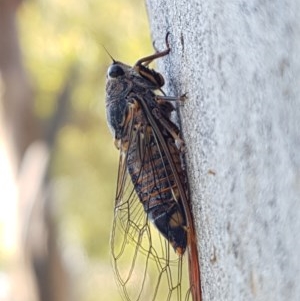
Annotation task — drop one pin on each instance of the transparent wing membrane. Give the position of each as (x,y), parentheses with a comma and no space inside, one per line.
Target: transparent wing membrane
(145,264)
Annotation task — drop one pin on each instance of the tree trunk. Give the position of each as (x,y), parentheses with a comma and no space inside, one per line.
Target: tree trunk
(34,269)
(239,64)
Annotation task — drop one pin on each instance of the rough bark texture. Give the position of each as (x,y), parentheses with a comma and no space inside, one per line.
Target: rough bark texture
(239,63)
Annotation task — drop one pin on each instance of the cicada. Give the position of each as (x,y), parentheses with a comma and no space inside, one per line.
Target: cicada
(153,227)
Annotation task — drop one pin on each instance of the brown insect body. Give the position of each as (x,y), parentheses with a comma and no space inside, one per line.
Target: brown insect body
(154,182)
(148,141)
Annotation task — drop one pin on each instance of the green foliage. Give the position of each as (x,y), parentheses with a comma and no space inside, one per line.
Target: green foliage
(56,36)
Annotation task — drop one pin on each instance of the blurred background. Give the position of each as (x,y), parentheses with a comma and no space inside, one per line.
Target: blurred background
(57,160)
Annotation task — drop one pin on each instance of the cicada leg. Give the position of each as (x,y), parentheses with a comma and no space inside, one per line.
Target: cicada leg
(141,67)
(171,128)
(148,59)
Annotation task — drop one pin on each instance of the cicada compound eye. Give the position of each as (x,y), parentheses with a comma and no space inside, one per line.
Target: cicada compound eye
(115,70)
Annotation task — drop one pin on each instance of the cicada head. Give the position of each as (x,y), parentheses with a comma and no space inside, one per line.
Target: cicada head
(139,77)
(117,70)
(118,87)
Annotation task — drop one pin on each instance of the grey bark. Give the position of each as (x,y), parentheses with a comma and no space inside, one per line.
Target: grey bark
(239,63)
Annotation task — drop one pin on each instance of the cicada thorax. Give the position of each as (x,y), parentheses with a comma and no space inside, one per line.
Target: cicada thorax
(152,175)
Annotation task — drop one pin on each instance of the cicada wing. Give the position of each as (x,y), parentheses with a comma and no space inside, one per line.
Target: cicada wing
(145,265)
(193,260)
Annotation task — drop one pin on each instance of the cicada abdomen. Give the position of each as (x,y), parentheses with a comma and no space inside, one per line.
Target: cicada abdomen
(153,178)
(152,186)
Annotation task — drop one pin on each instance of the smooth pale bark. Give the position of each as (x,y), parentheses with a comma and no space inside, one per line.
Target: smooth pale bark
(239,63)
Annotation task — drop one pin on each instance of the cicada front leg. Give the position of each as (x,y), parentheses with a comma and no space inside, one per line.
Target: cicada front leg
(141,66)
